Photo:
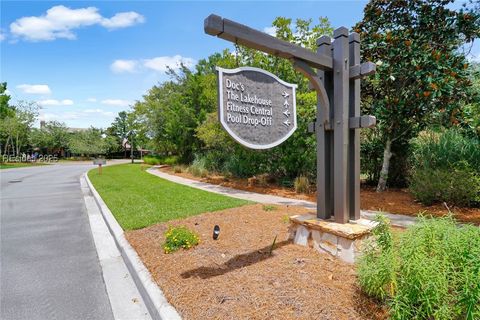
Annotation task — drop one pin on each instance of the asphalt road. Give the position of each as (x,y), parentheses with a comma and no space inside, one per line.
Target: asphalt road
(49,267)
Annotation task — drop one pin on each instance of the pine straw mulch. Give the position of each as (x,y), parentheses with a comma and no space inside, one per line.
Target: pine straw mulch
(399,201)
(235,277)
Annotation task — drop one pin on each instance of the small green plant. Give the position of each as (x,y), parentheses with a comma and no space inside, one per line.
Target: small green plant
(286,219)
(178,168)
(272,247)
(262,180)
(269,207)
(378,281)
(431,272)
(198,168)
(301,184)
(179,237)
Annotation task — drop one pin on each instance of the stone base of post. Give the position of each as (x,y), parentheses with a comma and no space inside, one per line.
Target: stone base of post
(341,240)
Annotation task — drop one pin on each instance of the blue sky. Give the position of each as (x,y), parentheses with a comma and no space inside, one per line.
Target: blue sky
(86,61)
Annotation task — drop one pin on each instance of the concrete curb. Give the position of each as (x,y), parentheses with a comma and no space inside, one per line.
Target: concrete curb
(156,303)
(397,220)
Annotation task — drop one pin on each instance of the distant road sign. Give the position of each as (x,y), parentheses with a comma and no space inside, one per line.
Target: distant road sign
(99,161)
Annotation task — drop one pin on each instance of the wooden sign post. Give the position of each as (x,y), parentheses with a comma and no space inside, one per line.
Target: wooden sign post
(337,83)
(100,163)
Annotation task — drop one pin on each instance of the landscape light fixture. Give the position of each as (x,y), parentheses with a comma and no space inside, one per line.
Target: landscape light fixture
(216,232)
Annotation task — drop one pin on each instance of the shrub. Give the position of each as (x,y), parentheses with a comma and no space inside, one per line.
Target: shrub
(301,184)
(152,160)
(198,167)
(262,179)
(179,237)
(448,149)
(431,272)
(446,167)
(178,168)
(170,160)
(459,187)
(378,281)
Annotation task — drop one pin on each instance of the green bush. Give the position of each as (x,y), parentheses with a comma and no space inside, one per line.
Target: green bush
(460,187)
(179,237)
(156,160)
(431,272)
(378,281)
(301,184)
(152,160)
(448,149)
(446,168)
(170,160)
(198,167)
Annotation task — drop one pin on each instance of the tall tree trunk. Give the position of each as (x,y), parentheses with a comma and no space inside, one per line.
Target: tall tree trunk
(387,154)
(18,146)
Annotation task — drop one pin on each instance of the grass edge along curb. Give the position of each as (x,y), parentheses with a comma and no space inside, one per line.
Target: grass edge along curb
(156,303)
(139,199)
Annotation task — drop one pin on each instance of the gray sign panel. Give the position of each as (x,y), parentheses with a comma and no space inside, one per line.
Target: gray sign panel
(99,161)
(256,107)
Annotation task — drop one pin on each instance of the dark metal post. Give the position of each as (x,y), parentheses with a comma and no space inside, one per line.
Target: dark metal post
(338,107)
(131,148)
(340,126)
(323,137)
(354,134)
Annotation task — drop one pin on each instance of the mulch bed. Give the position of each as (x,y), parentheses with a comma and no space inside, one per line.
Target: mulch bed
(398,201)
(236,277)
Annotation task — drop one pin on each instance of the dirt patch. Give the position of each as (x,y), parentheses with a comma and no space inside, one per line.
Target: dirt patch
(398,201)
(235,277)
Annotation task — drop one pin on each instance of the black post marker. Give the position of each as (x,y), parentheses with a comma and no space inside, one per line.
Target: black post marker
(216,232)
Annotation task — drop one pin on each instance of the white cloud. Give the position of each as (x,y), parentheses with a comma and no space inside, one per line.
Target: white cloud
(161,63)
(54,102)
(119,66)
(122,20)
(270,30)
(116,102)
(76,115)
(99,111)
(2,35)
(60,21)
(34,88)
(69,115)
(92,100)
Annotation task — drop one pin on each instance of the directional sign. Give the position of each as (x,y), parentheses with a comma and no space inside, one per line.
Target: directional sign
(99,161)
(256,107)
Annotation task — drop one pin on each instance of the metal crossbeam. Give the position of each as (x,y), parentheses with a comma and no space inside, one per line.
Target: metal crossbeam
(240,34)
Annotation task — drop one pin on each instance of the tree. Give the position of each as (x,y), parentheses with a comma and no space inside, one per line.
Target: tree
(420,69)
(16,126)
(120,129)
(53,137)
(89,142)
(6,110)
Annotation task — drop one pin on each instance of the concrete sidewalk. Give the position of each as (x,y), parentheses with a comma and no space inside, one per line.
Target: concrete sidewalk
(395,219)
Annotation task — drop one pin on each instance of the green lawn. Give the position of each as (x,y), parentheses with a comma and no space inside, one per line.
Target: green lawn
(138,199)
(9,165)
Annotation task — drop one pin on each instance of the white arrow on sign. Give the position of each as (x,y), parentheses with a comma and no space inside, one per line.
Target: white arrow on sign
(287,123)
(286,113)
(285,94)
(285,104)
